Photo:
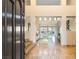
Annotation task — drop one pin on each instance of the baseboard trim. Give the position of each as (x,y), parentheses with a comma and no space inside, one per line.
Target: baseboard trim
(68,45)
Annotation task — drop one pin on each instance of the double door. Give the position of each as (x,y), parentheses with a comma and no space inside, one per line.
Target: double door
(48,32)
(13,29)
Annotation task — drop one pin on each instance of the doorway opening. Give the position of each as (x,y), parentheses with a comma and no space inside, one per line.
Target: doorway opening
(48,29)
(43,29)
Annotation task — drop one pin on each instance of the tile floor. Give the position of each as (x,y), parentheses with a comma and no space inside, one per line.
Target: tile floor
(43,51)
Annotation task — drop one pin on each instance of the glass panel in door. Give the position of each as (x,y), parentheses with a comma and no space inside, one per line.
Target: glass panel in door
(43,33)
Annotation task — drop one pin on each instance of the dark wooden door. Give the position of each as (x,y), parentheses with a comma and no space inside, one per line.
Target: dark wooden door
(13,29)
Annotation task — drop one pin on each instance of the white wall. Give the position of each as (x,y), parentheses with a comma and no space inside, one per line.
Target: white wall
(71,36)
(49,10)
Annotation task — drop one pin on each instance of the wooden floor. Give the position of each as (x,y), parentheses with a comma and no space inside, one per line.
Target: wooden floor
(43,51)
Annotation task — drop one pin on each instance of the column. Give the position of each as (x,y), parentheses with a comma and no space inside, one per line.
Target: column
(32,30)
(63,31)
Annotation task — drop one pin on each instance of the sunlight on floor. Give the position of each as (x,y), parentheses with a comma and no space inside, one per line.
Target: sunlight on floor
(55,52)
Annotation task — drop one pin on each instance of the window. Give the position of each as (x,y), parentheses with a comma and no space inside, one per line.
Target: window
(48,2)
(70,2)
(27,2)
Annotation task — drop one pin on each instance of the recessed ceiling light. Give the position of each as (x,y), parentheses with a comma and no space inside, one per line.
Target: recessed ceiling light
(58,19)
(55,18)
(45,19)
(50,19)
(40,18)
